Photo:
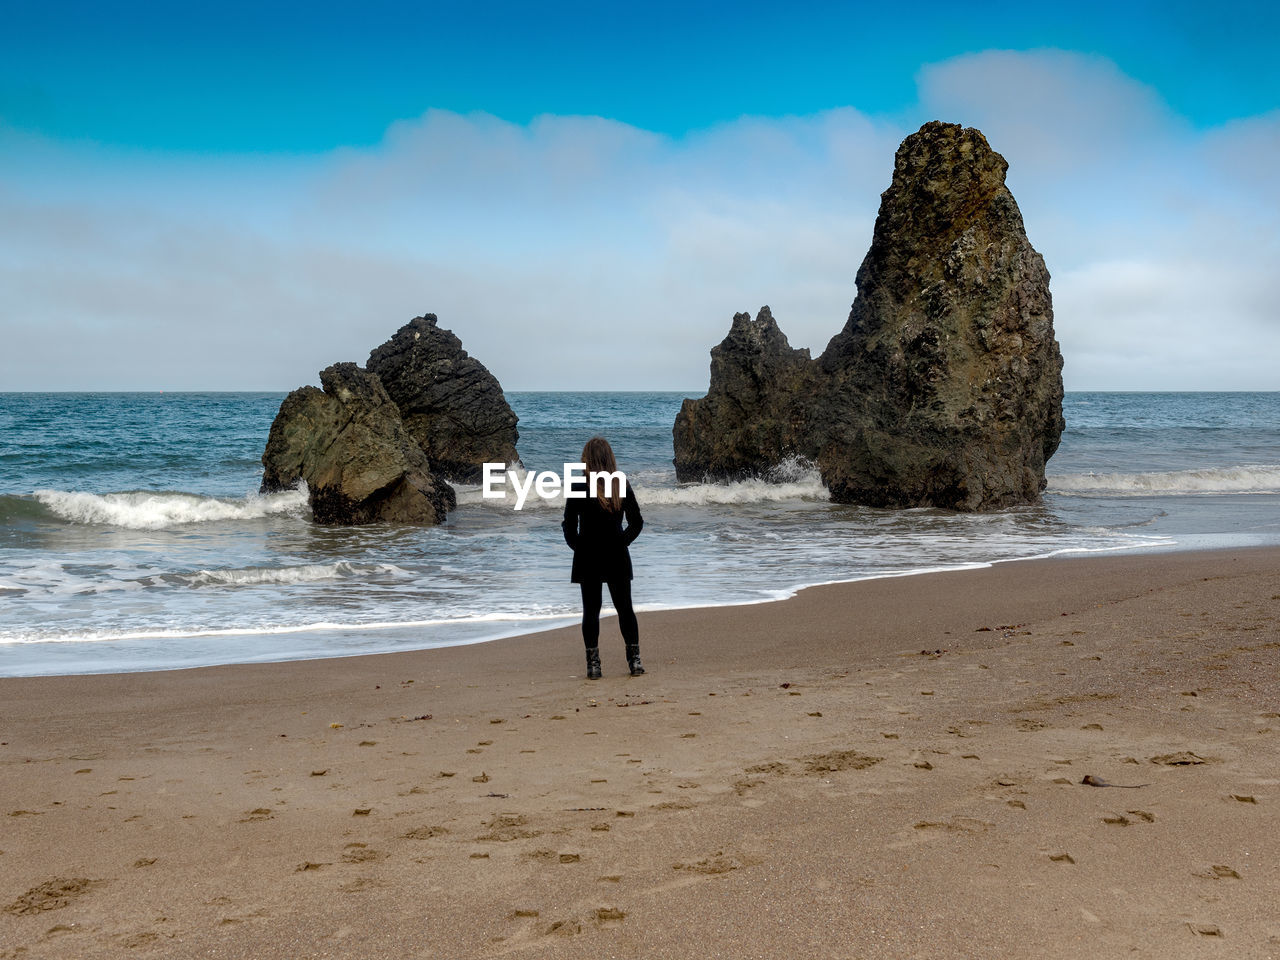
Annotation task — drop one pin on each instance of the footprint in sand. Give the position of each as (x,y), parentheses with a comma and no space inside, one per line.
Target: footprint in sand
(1204,929)
(424,833)
(836,761)
(53,894)
(564,928)
(1120,820)
(1184,758)
(681,804)
(362,884)
(258,914)
(136,941)
(1219,871)
(774,768)
(955,825)
(714,865)
(505,827)
(360,853)
(572,927)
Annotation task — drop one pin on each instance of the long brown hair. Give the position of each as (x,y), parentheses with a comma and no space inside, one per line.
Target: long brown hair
(598,456)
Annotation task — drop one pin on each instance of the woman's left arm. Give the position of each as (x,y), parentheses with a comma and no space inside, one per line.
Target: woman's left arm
(570,523)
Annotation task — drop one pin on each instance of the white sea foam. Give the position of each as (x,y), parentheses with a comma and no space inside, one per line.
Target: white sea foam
(544,620)
(1263,478)
(306,573)
(146,510)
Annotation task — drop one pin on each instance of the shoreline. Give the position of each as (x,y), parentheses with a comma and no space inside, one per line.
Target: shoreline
(890,767)
(787,593)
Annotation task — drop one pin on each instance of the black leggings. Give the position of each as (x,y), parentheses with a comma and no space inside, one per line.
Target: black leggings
(620,594)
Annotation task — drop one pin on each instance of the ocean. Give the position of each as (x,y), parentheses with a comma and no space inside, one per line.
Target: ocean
(132,536)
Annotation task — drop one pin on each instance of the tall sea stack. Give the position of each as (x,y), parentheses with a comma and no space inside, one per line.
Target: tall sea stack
(945,386)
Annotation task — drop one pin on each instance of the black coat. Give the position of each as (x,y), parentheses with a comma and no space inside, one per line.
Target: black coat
(599,540)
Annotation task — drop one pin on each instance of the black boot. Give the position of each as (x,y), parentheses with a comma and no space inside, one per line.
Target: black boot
(633,659)
(593,663)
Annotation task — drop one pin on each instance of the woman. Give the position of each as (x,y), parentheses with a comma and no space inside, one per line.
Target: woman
(593,528)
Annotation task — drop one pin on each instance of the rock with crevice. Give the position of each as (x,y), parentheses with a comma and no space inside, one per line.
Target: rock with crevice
(944,387)
(449,401)
(348,444)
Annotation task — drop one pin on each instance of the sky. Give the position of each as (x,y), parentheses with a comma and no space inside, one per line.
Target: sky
(232,196)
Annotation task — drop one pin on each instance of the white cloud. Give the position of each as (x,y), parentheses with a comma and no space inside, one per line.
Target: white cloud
(1178,318)
(580,253)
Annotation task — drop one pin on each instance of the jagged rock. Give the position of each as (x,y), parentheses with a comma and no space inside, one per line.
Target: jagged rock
(949,349)
(449,402)
(348,443)
(756,413)
(945,386)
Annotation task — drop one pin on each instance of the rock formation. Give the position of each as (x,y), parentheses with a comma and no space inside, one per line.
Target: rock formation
(449,402)
(945,386)
(757,412)
(348,443)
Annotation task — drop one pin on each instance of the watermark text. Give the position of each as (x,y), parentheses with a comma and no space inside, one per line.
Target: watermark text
(575,483)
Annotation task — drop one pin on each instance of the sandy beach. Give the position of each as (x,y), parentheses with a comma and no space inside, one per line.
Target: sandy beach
(891,768)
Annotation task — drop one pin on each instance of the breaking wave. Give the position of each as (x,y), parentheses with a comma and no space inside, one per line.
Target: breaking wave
(1222,480)
(149,510)
(737,492)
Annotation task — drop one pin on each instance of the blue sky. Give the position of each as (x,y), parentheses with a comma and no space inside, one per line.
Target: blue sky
(231,196)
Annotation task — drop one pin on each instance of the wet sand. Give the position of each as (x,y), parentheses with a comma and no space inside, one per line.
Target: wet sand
(883,769)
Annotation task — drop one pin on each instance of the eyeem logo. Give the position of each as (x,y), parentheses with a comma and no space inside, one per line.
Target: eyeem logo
(547,483)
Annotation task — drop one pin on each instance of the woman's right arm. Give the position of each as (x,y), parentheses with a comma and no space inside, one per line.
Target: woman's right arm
(635,522)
